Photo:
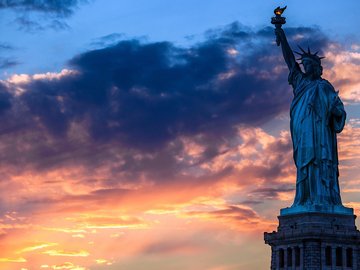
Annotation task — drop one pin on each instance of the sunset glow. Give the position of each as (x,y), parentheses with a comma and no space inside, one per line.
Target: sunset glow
(120,151)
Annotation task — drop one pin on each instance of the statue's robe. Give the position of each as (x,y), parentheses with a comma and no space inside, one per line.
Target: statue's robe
(314,125)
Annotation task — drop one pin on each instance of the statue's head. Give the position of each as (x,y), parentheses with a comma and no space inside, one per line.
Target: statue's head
(311,63)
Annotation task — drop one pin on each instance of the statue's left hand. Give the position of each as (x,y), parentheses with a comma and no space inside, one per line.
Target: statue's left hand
(335,108)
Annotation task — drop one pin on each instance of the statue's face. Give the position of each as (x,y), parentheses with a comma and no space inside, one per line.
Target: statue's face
(310,66)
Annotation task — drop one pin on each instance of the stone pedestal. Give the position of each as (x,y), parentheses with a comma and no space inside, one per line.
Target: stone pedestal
(315,241)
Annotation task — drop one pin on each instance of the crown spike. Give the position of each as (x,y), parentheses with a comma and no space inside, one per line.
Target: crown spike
(308,54)
(301,49)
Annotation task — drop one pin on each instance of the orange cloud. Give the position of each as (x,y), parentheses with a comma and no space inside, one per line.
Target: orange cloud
(62,253)
(237,188)
(67,265)
(14,260)
(108,222)
(37,247)
(344,72)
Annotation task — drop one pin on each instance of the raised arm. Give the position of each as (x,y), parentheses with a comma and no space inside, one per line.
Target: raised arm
(286,50)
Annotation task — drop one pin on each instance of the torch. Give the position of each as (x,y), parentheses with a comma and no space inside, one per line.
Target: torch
(278,20)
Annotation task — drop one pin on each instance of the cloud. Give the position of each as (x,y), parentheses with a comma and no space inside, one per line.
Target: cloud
(33,15)
(5,99)
(146,129)
(238,217)
(171,247)
(107,40)
(60,8)
(134,120)
(145,99)
(13,260)
(107,222)
(37,247)
(7,63)
(148,94)
(62,253)
(343,70)
(66,265)
(272,193)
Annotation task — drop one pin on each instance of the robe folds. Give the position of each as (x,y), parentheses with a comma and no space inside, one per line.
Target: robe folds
(316,115)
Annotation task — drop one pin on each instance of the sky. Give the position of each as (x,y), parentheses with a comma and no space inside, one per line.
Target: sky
(142,134)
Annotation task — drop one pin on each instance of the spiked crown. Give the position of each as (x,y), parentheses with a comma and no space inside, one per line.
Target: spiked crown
(309,55)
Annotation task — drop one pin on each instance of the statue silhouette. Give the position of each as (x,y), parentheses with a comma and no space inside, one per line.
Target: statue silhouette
(316,114)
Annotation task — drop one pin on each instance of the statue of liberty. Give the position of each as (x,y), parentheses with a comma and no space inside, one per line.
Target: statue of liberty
(316,116)
(317,232)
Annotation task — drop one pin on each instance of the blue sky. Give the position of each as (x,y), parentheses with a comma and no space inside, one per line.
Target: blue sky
(176,21)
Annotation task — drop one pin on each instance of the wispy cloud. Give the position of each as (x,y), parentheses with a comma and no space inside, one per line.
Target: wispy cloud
(13,260)
(37,247)
(36,15)
(63,253)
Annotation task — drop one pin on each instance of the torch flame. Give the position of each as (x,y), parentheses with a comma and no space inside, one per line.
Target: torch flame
(279,11)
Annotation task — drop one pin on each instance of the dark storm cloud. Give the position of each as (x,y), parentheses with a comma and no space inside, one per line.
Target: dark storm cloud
(60,8)
(5,99)
(140,97)
(35,15)
(155,92)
